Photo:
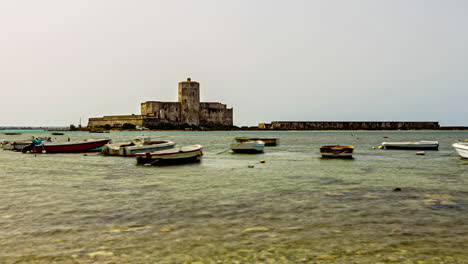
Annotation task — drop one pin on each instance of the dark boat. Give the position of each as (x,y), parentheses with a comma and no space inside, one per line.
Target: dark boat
(337,151)
(418,145)
(57,133)
(11,133)
(69,147)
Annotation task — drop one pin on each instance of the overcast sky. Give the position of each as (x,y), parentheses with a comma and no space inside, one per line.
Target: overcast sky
(271,60)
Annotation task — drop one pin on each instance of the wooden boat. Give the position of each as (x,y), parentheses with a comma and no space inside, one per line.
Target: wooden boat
(57,134)
(249,146)
(69,147)
(269,141)
(421,145)
(185,154)
(139,145)
(337,151)
(462,149)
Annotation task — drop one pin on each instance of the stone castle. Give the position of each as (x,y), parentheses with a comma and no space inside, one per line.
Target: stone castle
(188,109)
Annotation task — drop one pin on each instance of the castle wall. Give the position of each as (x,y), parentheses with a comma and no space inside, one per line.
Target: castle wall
(348,125)
(115,121)
(215,113)
(165,111)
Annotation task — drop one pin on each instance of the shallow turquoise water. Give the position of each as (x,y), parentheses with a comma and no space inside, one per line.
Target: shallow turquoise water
(295,208)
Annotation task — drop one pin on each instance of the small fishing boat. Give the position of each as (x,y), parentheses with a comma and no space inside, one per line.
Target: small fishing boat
(68,147)
(11,133)
(249,146)
(138,145)
(180,155)
(57,133)
(421,145)
(462,149)
(337,151)
(269,141)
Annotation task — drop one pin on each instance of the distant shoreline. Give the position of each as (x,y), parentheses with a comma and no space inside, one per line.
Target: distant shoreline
(225,130)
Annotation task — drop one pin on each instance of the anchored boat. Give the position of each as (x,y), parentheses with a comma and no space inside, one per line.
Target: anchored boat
(179,155)
(250,146)
(421,145)
(269,141)
(11,133)
(68,147)
(138,145)
(337,151)
(462,149)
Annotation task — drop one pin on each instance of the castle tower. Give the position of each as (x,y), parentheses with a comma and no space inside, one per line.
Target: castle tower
(189,99)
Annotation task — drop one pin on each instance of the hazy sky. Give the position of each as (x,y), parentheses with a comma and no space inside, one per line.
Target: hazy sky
(271,60)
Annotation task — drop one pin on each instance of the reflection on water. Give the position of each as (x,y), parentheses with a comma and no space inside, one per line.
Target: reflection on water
(295,208)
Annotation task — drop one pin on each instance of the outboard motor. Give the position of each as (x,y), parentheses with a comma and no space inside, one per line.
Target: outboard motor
(28,148)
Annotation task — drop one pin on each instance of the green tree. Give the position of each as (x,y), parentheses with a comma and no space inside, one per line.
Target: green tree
(128,126)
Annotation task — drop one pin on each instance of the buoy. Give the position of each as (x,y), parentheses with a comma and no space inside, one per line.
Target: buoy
(373,147)
(380,147)
(385,137)
(397,189)
(262,161)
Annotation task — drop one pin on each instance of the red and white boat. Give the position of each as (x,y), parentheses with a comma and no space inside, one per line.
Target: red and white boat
(171,156)
(70,147)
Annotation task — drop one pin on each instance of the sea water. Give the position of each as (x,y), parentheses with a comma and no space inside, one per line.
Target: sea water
(294,208)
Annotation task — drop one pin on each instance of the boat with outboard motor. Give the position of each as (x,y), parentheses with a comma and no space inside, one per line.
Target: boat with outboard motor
(178,155)
(138,145)
(18,145)
(90,145)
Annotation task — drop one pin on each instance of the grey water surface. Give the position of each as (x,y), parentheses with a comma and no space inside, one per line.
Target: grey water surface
(294,208)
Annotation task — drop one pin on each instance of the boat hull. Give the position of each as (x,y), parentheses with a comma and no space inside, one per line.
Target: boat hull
(462,149)
(247,151)
(70,147)
(420,145)
(248,147)
(337,151)
(268,141)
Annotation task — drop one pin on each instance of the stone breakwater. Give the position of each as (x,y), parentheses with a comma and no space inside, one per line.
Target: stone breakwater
(348,125)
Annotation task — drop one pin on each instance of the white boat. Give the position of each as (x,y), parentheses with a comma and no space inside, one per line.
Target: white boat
(138,145)
(15,144)
(462,149)
(185,154)
(423,145)
(248,146)
(269,141)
